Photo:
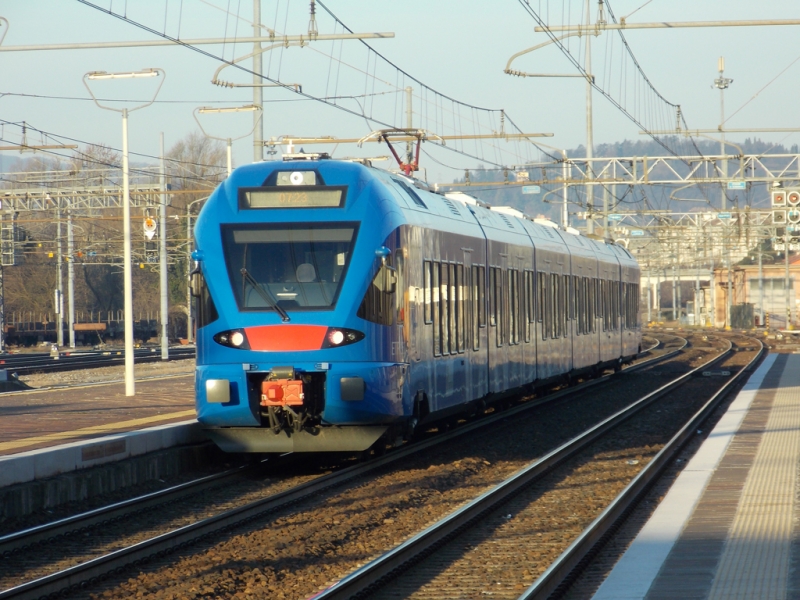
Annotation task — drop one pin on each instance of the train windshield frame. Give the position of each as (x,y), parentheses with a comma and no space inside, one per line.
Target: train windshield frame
(288,266)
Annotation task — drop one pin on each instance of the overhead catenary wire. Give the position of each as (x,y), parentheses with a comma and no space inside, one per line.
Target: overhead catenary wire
(302,93)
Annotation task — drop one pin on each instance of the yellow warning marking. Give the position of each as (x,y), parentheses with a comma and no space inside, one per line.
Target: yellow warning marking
(66,435)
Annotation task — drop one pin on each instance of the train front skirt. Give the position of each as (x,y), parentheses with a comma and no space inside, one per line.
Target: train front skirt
(260,439)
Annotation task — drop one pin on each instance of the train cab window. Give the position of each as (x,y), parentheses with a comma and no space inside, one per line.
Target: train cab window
(293,266)
(427,278)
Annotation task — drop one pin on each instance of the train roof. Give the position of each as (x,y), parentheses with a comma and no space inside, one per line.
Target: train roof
(422,205)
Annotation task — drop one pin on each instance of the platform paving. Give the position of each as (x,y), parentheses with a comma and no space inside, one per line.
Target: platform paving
(48,417)
(729,528)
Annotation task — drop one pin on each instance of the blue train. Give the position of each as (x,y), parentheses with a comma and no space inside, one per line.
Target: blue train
(339,305)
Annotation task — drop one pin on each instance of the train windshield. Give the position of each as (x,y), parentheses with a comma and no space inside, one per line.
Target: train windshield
(288,266)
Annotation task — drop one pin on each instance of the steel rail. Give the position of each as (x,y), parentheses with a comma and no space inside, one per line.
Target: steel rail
(384,568)
(79,575)
(560,572)
(67,363)
(26,538)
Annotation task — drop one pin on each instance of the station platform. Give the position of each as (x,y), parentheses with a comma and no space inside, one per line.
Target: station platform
(729,527)
(48,431)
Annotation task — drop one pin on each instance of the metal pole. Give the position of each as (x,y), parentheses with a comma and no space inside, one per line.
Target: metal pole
(189,333)
(606,233)
(649,297)
(130,386)
(729,303)
(786,284)
(760,289)
(657,303)
(71,278)
(589,128)
(2,310)
(162,256)
(59,281)
(565,168)
(230,163)
(674,295)
(258,94)
(409,125)
(713,287)
(722,84)
(680,268)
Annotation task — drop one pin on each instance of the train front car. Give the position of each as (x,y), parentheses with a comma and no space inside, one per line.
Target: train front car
(295,280)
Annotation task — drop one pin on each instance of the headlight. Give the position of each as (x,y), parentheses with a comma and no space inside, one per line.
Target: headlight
(339,336)
(234,338)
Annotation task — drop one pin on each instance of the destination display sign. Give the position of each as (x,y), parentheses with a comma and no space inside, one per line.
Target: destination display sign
(297,196)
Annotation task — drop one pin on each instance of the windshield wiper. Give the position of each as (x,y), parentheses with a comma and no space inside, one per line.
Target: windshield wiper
(264,294)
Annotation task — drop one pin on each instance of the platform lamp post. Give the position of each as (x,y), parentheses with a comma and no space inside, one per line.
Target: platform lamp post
(203,110)
(130,388)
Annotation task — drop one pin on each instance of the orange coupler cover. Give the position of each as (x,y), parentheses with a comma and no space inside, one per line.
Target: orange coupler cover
(282,392)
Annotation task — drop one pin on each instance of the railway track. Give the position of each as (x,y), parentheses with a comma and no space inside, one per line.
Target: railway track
(432,564)
(23,364)
(227,521)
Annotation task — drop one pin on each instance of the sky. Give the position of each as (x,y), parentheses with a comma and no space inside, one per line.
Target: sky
(458,49)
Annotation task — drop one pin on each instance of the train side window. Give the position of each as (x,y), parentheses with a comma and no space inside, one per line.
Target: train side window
(401,294)
(444,308)
(501,312)
(541,306)
(552,309)
(435,305)
(590,304)
(524,328)
(460,317)
(469,306)
(513,306)
(561,299)
(452,301)
(478,308)
(427,275)
(530,315)
(571,294)
(556,305)
(378,304)
(492,297)
(205,309)
(580,304)
(587,310)
(481,296)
